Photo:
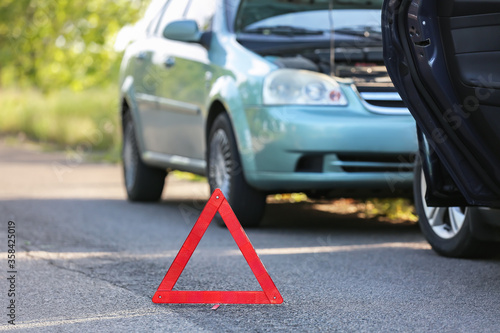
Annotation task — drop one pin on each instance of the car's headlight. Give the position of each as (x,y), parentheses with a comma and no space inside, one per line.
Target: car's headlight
(300,87)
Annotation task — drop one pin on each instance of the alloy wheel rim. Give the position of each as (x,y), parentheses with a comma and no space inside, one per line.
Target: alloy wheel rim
(446,222)
(220,167)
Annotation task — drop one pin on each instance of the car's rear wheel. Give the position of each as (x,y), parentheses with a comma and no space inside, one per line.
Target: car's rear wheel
(225,172)
(143,182)
(447,229)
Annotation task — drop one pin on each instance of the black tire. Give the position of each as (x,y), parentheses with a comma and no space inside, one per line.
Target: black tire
(143,182)
(225,172)
(447,229)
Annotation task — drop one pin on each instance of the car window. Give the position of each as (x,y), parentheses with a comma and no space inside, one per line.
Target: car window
(202,11)
(155,11)
(230,8)
(175,11)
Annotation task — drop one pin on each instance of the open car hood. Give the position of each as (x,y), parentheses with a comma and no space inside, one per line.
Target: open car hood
(443,57)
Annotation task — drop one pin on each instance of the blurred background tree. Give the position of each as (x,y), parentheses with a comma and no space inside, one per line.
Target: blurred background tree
(59,71)
(54,44)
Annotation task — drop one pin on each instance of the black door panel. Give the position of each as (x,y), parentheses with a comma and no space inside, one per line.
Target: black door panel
(472,49)
(447,8)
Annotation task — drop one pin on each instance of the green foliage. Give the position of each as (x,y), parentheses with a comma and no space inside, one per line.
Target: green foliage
(187,176)
(85,120)
(55,44)
(393,209)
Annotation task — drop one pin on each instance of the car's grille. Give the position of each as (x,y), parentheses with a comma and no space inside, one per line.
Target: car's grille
(381,98)
(375,88)
(384,102)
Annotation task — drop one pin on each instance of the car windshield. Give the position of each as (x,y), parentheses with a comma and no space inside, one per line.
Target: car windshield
(303,17)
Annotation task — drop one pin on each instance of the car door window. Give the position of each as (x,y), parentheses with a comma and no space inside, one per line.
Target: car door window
(202,11)
(175,11)
(153,15)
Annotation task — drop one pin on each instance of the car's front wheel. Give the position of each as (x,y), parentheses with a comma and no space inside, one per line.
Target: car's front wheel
(225,172)
(447,229)
(143,182)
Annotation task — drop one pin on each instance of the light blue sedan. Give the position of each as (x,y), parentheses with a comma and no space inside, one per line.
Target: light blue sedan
(261,97)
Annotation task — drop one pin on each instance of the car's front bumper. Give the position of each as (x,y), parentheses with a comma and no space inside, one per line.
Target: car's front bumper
(305,148)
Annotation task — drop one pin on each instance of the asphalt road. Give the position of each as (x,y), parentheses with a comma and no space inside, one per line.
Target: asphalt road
(88,260)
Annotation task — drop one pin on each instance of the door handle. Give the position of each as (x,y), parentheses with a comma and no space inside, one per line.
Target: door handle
(208,76)
(170,62)
(141,56)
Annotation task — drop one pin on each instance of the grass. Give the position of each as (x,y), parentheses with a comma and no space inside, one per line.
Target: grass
(188,176)
(85,120)
(398,209)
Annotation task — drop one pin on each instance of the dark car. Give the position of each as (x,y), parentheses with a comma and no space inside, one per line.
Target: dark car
(444,58)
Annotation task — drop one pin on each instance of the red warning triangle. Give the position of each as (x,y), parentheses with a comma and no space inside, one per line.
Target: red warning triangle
(269,293)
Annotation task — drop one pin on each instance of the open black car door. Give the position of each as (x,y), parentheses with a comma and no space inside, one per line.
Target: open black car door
(444,58)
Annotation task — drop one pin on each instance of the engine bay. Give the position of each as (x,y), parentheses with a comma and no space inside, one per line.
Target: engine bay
(364,66)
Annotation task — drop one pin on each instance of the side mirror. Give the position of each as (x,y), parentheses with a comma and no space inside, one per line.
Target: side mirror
(183,30)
